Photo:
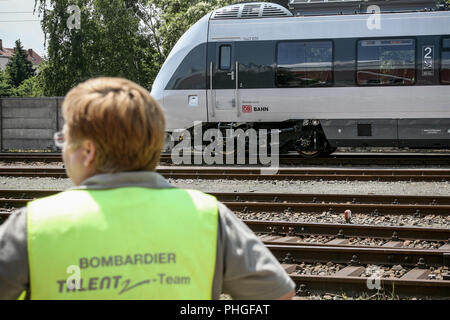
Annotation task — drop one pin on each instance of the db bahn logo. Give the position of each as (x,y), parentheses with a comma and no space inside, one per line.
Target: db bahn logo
(247,108)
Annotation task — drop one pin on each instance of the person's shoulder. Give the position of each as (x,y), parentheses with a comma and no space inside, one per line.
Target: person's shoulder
(234,229)
(15,227)
(224,211)
(61,198)
(17,217)
(198,193)
(202,199)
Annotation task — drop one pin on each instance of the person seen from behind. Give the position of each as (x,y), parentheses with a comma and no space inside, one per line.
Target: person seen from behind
(123,231)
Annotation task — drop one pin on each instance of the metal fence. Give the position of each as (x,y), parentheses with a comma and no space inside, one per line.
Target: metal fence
(29,123)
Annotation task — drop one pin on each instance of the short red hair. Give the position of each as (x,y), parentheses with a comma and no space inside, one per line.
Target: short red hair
(121,118)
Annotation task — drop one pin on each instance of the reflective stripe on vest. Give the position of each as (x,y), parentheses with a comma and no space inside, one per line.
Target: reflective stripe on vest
(126,243)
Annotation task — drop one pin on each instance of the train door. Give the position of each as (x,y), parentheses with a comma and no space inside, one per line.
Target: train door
(224,90)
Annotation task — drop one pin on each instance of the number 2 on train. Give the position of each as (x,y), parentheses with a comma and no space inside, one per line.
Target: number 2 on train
(427,60)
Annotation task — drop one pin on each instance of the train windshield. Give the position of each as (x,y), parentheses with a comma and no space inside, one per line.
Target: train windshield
(193,37)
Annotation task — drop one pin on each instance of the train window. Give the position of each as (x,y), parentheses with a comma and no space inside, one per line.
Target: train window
(386,62)
(225,57)
(304,64)
(446,44)
(445,62)
(191,73)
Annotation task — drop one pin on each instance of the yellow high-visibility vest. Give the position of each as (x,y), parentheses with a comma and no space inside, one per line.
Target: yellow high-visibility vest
(125,243)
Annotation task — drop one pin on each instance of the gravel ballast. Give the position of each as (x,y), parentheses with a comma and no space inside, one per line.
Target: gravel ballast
(321,187)
(223,185)
(325,217)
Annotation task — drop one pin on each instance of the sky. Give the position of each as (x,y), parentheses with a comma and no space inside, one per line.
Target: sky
(15,16)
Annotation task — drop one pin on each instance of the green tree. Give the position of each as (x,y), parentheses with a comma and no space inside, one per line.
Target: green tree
(122,38)
(32,87)
(6,90)
(169,19)
(109,42)
(19,68)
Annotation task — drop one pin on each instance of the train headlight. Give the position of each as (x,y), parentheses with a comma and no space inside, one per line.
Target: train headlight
(315,122)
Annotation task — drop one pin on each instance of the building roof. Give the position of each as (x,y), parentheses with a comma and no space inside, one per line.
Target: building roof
(6,52)
(33,57)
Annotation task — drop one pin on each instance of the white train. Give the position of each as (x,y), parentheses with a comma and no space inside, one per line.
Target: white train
(324,78)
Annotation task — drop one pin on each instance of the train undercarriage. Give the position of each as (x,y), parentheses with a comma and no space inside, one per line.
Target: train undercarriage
(311,137)
(303,136)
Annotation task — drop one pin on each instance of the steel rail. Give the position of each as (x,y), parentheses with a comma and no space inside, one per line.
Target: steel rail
(279,197)
(286,230)
(339,158)
(295,254)
(31,156)
(319,244)
(304,171)
(305,203)
(330,198)
(357,286)
(373,209)
(256,174)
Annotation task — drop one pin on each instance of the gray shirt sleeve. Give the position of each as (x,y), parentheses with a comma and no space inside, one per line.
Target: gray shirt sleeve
(14,278)
(245,268)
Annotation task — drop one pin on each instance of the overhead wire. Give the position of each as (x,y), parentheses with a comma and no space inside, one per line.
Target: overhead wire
(15,12)
(20,20)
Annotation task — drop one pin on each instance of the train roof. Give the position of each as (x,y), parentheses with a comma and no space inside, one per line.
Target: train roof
(330,27)
(254,10)
(330,7)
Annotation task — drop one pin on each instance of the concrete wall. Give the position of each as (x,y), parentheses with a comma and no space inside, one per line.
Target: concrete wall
(29,123)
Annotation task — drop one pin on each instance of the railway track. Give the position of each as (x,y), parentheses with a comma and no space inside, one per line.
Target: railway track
(284,232)
(30,157)
(285,240)
(19,198)
(337,159)
(351,281)
(305,203)
(308,203)
(290,174)
(270,201)
(295,254)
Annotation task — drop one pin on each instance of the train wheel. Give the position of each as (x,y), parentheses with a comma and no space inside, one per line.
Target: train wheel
(316,142)
(309,154)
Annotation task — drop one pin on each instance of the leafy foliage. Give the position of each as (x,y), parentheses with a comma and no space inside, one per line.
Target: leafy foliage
(19,68)
(120,38)
(174,17)
(6,89)
(32,87)
(110,42)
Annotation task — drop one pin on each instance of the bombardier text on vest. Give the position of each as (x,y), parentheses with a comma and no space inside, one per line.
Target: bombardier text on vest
(120,260)
(118,282)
